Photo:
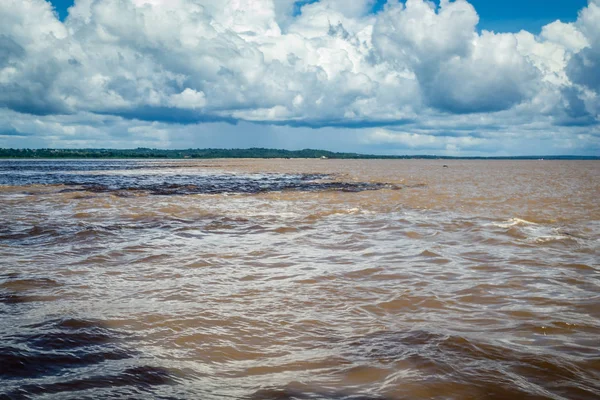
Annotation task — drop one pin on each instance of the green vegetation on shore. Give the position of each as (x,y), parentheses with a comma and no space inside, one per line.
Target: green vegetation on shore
(141,153)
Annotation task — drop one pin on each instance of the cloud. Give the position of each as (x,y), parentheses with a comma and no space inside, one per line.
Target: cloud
(583,68)
(326,63)
(188,99)
(459,70)
(461,134)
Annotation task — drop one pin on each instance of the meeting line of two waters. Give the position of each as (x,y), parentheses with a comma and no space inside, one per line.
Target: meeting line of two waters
(299,279)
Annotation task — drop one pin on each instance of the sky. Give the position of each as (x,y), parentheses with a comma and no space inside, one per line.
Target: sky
(502,16)
(458,78)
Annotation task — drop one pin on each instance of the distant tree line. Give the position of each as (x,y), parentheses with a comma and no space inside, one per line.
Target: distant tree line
(179,154)
(147,153)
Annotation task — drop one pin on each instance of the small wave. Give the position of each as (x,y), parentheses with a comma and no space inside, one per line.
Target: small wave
(533,232)
(551,238)
(143,377)
(16,290)
(58,345)
(16,283)
(330,212)
(545,235)
(297,391)
(513,222)
(488,368)
(14,298)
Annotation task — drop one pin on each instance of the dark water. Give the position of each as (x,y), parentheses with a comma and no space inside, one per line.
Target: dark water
(133,176)
(300,279)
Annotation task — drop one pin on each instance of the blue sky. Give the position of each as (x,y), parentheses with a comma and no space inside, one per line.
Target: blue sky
(462,78)
(506,15)
(531,15)
(62,6)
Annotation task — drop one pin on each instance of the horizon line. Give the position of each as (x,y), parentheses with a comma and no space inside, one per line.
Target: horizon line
(262,153)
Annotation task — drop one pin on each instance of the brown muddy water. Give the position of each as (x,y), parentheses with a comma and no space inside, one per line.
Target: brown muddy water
(300,279)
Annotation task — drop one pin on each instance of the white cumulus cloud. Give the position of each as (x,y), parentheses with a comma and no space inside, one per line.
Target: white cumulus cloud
(328,63)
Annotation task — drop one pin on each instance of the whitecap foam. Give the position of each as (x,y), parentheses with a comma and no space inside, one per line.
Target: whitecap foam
(533,232)
(550,238)
(543,234)
(513,222)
